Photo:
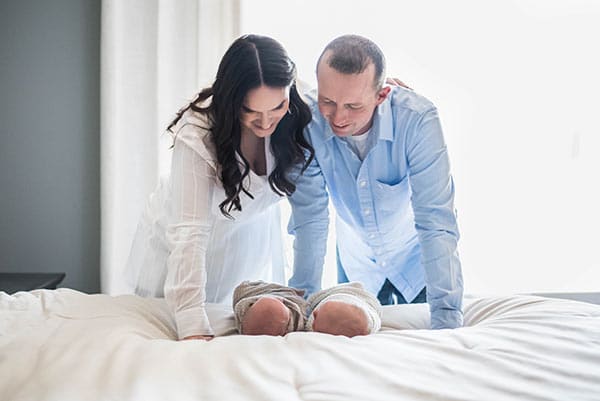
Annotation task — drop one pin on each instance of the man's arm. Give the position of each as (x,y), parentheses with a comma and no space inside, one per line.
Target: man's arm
(435,220)
(309,223)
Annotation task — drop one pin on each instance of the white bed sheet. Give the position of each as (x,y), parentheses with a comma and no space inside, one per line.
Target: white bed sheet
(65,345)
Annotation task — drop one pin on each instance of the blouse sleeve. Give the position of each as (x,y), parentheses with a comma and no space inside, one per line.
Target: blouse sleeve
(190,224)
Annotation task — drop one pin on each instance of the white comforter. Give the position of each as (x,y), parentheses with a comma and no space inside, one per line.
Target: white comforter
(65,345)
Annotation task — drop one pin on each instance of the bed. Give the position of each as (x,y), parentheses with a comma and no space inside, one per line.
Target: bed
(67,345)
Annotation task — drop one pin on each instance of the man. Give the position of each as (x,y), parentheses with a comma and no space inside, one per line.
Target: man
(381,157)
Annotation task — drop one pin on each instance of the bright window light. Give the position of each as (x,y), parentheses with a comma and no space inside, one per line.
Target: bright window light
(517,87)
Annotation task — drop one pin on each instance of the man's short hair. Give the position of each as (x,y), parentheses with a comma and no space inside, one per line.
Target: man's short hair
(352,54)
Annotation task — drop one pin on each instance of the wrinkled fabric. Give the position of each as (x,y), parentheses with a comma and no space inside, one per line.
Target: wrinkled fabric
(350,293)
(248,292)
(64,345)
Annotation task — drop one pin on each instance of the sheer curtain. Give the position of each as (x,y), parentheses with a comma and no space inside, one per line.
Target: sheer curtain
(155,55)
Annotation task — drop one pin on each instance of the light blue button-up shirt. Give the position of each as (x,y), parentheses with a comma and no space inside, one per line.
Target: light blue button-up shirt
(395,209)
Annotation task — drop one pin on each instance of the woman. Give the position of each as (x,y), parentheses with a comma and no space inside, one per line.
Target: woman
(215,222)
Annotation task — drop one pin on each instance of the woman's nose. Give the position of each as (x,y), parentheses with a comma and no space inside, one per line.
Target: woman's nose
(265,120)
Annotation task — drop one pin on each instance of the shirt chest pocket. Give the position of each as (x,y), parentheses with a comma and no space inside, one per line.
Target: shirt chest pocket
(392,198)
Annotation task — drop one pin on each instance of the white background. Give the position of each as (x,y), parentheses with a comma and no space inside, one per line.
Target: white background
(518,89)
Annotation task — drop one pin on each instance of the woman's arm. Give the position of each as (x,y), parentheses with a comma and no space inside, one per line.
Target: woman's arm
(188,232)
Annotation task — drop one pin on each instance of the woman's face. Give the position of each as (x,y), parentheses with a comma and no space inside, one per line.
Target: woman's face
(263,108)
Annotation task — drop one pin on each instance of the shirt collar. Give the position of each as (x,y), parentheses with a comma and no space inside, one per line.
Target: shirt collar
(383,123)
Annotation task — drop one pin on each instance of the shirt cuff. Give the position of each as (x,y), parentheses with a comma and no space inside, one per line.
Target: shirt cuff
(446,319)
(193,322)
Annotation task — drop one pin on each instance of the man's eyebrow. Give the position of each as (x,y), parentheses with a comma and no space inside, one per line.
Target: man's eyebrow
(246,108)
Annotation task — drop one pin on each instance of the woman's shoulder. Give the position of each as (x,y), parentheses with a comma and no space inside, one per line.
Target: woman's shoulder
(193,130)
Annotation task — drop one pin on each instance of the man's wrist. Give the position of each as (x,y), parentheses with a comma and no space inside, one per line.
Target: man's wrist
(446,319)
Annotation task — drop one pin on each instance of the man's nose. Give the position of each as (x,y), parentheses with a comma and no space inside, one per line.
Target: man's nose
(339,116)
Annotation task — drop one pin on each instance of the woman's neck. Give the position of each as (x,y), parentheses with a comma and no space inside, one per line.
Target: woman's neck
(253,150)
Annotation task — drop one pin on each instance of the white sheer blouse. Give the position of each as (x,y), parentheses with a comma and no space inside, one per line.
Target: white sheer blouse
(186,250)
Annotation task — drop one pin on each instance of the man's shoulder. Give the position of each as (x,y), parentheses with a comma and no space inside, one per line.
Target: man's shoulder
(403,99)
(310,97)
(318,125)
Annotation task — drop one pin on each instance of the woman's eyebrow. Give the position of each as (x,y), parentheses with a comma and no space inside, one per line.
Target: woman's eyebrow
(246,108)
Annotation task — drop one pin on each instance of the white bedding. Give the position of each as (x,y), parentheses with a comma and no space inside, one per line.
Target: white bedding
(65,345)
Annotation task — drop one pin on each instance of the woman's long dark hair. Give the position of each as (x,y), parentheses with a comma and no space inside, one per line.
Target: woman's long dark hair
(252,61)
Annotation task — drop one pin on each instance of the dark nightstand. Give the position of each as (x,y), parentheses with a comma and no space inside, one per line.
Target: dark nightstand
(13,282)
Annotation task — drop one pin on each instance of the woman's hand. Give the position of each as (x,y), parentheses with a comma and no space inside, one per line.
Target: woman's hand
(396,82)
(205,338)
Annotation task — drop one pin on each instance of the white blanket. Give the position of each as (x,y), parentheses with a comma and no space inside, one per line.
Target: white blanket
(65,345)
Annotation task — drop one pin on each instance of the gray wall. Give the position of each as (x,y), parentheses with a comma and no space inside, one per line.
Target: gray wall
(50,140)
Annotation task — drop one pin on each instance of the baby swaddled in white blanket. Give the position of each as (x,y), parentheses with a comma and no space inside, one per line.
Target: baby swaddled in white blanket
(273,309)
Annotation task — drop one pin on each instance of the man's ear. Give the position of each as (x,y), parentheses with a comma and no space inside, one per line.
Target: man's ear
(382,94)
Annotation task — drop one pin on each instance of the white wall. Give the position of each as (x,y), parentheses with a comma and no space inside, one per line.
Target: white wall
(518,88)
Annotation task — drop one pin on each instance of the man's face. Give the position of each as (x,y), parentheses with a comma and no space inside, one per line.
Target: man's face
(348,101)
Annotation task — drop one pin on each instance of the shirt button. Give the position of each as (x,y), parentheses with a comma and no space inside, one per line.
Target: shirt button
(371,235)
(367,212)
(363,183)
(383,264)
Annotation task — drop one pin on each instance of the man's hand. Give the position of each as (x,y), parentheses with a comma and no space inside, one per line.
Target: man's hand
(205,338)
